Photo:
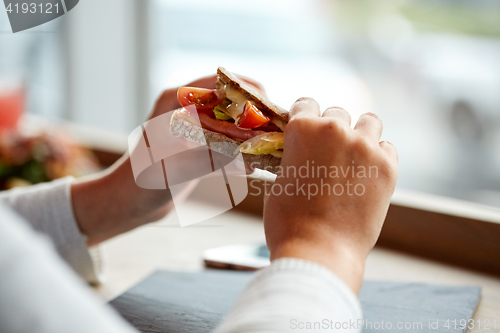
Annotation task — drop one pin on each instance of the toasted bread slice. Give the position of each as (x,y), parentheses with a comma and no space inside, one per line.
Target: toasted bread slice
(181,126)
(261,102)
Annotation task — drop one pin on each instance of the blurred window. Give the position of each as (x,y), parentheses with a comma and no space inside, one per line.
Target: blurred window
(433,70)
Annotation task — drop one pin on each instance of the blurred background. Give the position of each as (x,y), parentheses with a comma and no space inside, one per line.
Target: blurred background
(430,69)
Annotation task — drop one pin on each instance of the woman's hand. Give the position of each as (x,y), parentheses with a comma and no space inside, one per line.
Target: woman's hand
(330,201)
(110,203)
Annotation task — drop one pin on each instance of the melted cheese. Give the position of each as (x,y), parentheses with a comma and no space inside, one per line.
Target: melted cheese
(238,102)
(235,109)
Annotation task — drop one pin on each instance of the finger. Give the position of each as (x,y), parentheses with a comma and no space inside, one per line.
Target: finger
(390,150)
(370,124)
(339,114)
(304,107)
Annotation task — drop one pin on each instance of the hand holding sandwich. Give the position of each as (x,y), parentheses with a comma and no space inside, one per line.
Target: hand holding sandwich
(127,205)
(339,228)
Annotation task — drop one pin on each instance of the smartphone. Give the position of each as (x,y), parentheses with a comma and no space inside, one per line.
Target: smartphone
(242,257)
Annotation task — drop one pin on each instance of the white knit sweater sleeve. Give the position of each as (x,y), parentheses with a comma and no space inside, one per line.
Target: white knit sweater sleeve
(295,295)
(48,208)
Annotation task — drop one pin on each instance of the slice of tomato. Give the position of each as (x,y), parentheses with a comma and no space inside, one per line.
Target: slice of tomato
(204,99)
(252,117)
(226,128)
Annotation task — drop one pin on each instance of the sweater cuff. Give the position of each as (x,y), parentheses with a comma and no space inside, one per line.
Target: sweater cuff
(314,271)
(69,241)
(293,294)
(48,208)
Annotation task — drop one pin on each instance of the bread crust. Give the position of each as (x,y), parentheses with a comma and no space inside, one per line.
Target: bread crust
(225,77)
(220,143)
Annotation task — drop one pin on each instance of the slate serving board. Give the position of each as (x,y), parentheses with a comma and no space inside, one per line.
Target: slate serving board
(168,301)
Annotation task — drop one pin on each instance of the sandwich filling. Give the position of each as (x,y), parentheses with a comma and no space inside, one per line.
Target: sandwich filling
(228,112)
